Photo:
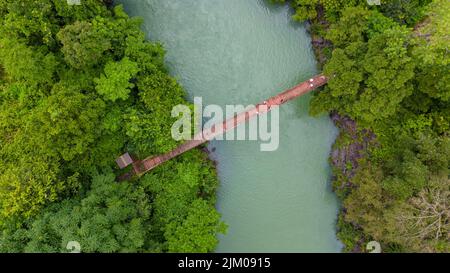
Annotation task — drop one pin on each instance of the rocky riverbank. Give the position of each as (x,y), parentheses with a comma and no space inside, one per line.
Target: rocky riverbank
(350,147)
(352,144)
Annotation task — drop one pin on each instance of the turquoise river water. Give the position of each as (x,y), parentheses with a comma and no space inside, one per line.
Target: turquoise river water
(241,52)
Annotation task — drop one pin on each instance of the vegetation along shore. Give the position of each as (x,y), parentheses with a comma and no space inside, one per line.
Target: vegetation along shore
(79,85)
(389,96)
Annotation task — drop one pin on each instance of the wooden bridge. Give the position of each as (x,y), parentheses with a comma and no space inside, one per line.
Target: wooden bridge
(140,167)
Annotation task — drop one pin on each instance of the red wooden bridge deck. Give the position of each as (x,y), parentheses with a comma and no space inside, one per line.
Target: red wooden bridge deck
(140,167)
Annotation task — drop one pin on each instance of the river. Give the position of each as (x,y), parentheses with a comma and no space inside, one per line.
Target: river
(241,52)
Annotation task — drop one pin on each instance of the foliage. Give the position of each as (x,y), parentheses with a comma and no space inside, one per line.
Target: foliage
(190,235)
(310,9)
(30,185)
(305,9)
(83,45)
(111,217)
(115,83)
(369,78)
(32,65)
(432,51)
(393,81)
(79,85)
(423,222)
(404,11)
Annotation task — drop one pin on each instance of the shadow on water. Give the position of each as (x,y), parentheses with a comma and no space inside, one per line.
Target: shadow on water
(279,8)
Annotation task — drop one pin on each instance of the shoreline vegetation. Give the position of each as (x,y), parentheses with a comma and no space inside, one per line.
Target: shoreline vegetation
(389,97)
(79,86)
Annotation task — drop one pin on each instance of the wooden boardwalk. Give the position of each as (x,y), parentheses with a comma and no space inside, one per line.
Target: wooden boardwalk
(140,167)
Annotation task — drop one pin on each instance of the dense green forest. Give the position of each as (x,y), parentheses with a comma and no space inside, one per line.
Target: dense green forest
(389,94)
(80,85)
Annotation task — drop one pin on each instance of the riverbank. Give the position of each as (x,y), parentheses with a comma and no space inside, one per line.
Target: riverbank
(351,145)
(89,87)
(244,52)
(391,165)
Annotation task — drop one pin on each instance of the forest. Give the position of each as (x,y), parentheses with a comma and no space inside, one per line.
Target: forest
(79,86)
(389,93)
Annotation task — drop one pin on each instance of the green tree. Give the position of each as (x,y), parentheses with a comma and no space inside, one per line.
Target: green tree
(68,111)
(111,218)
(83,45)
(369,79)
(198,231)
(32,65)
(305,9)
(393,81)
(67,121)
(404,11)
(115,82)
(27,186)
(431,52)
(149,56)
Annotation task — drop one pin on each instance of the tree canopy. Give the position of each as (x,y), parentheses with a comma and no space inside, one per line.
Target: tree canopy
(80,85)
(389,72)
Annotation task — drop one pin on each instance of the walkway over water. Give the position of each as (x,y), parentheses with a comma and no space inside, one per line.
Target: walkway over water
(141,167)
